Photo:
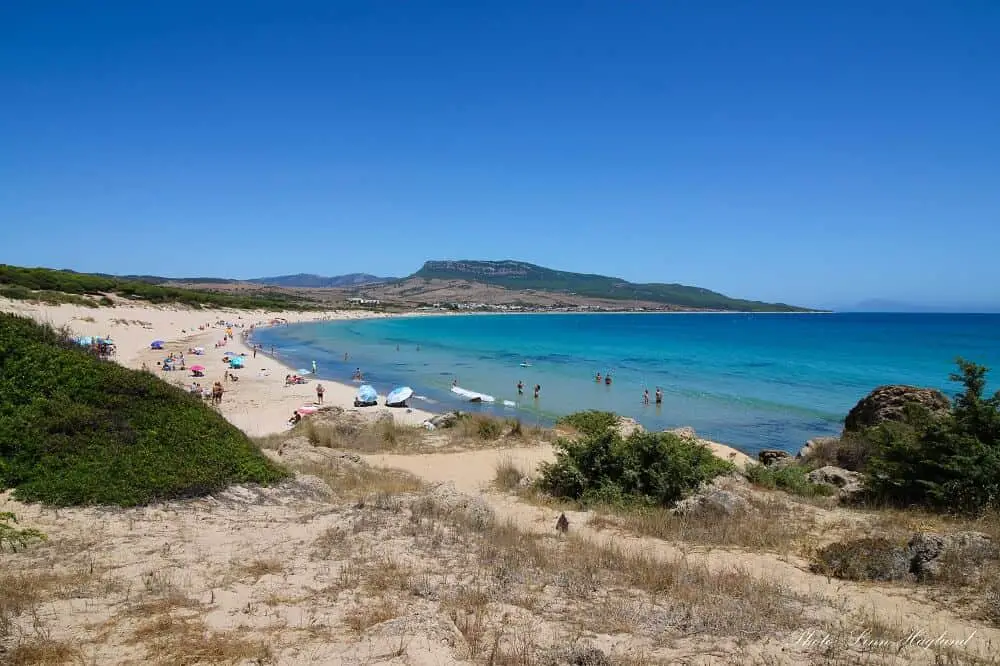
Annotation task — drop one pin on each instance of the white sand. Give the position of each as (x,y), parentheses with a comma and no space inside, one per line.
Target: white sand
(259,403)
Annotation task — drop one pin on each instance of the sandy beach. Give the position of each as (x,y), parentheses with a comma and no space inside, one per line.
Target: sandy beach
(259,403)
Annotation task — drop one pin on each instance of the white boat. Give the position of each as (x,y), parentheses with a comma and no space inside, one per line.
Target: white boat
(472,396)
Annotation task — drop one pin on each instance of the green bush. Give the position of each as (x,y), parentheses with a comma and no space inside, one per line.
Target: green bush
(647,468)
(790,478)
(16,538)
(591,421)
(950,463)
(55,286)
(78,430)
(869,558)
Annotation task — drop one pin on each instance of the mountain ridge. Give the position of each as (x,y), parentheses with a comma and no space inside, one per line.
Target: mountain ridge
(521,276)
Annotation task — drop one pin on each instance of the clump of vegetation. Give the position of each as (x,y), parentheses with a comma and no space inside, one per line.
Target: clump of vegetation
(790,478)
(591,422)
(870,558)
(653,469)
(55,286)
(950,463)
(78,430)
(15,538)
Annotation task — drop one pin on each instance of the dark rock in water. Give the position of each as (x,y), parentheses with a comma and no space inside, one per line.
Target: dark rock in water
(769,457)
(887,403)
(958,555)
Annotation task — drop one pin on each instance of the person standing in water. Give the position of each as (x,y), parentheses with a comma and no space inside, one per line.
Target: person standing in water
(659,396)
(314,367)
(520,387)
(598,378)
(538,388)
(645,396)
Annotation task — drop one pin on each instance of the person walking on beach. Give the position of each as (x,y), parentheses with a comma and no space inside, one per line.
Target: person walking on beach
(319,393)
(254,350)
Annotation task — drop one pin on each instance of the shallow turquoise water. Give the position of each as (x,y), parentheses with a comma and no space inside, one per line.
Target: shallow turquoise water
(756,381)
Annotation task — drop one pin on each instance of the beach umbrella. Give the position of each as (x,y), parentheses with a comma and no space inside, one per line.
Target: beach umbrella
(197,368)
(398,396)
(367,394)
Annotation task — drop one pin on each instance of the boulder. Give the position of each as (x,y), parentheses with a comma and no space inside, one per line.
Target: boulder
(723,495)
(817,444)
(887,403)
(850,485)
(626,427)
(960,555)
(773,457)
(445,420)
(864,559)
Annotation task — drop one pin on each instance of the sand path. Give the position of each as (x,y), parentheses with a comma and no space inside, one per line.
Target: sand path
(895,605)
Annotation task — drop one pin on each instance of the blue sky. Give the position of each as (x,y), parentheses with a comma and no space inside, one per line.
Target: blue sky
(811,152)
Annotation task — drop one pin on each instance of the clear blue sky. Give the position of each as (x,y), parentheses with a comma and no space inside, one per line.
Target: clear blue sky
(816,152)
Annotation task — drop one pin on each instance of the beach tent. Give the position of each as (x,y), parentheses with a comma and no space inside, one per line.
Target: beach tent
(366,396)
(236,362)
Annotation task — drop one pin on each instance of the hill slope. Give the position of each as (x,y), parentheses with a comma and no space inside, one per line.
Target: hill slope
(78,430)
(314,281)
(519,275)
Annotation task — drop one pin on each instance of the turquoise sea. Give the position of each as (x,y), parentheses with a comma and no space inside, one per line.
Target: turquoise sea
(755,381)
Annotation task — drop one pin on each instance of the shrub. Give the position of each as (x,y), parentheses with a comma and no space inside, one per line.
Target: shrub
(647,468)
(78,430)
(950,463)
(591,422)
(790,478)
(864,559)
(14,538)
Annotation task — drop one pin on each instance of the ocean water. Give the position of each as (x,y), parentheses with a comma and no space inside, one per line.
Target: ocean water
(754,381)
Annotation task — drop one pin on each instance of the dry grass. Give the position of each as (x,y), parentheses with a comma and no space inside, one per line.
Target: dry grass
(508,475)
(371,614)
(175,641)
(352,433)
(42,652)
(260,567)
(774,526)
(362,480)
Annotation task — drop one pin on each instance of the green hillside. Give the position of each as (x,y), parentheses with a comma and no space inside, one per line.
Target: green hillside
(520,275)
(75,429)
(62,286)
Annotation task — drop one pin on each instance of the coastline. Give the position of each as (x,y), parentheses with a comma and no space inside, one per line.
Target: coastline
(259,403)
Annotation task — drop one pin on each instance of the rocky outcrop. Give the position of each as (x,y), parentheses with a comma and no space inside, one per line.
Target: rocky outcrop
(773,458)
(888,403)
(958,556)
(738,458)
(816,445)
(626,427)
(446,420)
(723,495)
(850,485)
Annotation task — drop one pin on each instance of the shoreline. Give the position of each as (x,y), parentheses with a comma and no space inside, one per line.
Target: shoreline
(260,403)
